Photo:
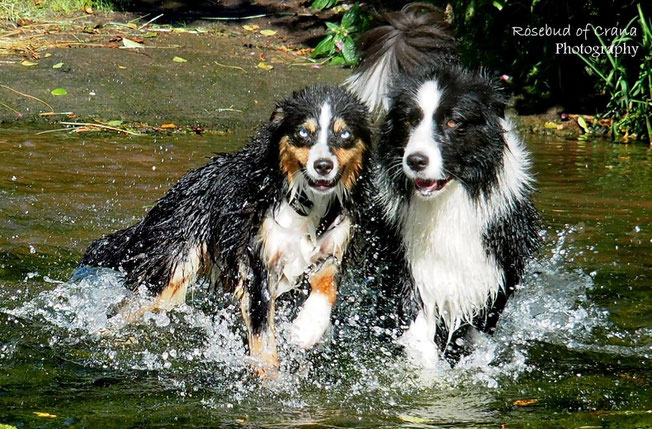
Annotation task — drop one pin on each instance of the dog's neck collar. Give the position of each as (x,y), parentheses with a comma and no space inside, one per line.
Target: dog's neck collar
(301,203)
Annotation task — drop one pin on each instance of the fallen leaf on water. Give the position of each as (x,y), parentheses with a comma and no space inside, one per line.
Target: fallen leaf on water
(150,35)
(45,415)
(57,66)
(525,402)
(47,55)
(168,126)
(264,66)
(253,27)
(88,9)
(28,63)
(59,91)
(415,420)
(130,44)
(179,60)
(267,32)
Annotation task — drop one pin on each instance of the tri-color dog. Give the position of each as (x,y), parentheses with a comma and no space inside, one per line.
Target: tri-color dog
(453,181)
(259,220)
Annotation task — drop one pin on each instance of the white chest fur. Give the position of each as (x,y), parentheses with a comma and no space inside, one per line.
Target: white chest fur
(444,248)
(290,244)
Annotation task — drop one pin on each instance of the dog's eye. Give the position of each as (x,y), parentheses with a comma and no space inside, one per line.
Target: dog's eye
(413,119)
(451,123)
(303,133)
(345,135)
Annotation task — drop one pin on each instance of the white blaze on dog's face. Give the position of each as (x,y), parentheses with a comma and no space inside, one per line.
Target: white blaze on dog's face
(422,160)
(322,166)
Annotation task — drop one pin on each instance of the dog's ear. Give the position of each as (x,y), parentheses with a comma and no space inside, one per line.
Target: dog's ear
(277,115)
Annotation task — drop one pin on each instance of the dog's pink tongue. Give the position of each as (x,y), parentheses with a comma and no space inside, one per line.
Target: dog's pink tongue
(427,185)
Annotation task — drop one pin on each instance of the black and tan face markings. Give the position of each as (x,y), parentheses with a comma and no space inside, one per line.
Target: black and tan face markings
(349,151)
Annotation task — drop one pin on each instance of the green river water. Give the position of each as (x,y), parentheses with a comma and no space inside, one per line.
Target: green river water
(573,349)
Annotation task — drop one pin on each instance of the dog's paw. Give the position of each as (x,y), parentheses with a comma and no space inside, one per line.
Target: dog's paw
(312,322)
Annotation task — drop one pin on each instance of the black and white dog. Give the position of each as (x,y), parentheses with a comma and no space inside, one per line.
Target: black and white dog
(259,220)
(453,181)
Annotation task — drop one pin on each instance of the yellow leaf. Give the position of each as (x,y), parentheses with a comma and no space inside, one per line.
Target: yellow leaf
(264,66)
(121,67)
(179,30)
(57,66)
(415,420)
(130,44)
(251,27)
(179,60)
(132,26)
(267,32)
(525,402)
(88,9)
(550,125)
(168,126)
(48,55)
(28,63)
(3,426)
(45,415)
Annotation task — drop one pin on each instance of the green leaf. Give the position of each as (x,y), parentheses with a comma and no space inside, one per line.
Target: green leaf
(57,66)
(325,46)
(114,123)
(348,20)
(582,123)
(179,60)
(333,27)
(337,60)
(499,4)
(150,35)
(348,51)
(322,4)
(58,91)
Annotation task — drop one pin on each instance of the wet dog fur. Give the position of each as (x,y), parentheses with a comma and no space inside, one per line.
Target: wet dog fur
(259,220)
(452,184)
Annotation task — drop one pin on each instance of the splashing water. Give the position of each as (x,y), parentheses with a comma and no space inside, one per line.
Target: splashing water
(200,346)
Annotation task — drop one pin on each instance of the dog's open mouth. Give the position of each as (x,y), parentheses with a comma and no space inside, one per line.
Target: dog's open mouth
(429,186)
(323,185)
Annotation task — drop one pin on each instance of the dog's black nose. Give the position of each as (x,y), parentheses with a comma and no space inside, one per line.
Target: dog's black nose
(417,161)
(323,166)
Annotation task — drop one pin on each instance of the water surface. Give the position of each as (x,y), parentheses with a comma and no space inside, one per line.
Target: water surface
(573,348)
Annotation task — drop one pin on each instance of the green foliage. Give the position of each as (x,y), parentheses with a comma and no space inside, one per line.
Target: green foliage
(323,4)
(629,103)
(339,43)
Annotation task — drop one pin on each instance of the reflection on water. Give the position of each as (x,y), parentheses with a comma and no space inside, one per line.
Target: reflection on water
(575,341)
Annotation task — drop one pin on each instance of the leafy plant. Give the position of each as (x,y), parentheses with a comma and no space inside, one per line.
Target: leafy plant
(630,104)
(339,43)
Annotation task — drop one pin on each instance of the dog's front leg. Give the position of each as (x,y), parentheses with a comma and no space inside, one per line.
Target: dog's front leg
(419,340)
(314,317)
(257,303)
